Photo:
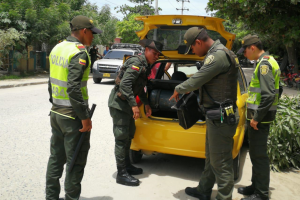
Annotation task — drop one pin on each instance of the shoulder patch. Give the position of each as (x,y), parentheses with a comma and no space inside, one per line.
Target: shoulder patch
(266,57)
(237,61)
(209,59)
(136,68)
(80,46)
(264,69)
(82,62)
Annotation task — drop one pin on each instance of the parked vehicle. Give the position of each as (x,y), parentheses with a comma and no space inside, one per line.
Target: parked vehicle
(109,66)
(291,79)
(161,133)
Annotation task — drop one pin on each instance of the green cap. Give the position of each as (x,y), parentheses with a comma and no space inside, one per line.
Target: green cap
(152,44)
(81,22)
(190,36)
(248,40)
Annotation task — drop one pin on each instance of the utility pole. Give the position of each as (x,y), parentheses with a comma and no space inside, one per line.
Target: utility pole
(182,9)
(156,13)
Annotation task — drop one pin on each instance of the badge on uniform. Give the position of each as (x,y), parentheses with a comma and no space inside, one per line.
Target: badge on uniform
(209,59)
(264,69)
(82,62)
(136,68)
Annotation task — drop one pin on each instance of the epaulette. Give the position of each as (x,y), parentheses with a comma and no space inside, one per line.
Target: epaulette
(266,57)
(80,47)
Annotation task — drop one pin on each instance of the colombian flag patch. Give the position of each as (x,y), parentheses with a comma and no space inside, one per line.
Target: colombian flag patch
(136,68)
(82,62)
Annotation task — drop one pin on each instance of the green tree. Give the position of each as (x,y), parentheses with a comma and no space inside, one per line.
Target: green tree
(128,27)
(276,20)
(141,7)
(11,37)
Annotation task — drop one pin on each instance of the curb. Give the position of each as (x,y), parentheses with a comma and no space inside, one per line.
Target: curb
(22,84)
(26,84)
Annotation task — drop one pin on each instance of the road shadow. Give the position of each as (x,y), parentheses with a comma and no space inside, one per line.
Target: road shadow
(105,82)
(97,198)
(183,196)
(243,154)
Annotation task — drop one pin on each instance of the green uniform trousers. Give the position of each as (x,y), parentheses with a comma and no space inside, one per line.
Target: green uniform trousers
(218,163)
(260,161)
(65,136)
(124,129)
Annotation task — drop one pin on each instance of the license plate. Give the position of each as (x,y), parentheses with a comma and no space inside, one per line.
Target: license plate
(106,75)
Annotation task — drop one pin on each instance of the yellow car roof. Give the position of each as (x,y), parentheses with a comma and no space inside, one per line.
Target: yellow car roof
(183,21)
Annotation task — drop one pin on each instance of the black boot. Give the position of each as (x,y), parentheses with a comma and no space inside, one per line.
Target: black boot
(194,193)
(248,190)
(132,170)
(255,197)
(126,179)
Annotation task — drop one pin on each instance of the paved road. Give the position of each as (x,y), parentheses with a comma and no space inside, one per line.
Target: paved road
(24,151)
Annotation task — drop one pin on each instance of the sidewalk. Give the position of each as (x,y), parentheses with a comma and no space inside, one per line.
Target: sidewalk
(34,80)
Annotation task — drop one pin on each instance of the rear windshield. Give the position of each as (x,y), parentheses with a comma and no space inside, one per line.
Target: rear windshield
(172,36)
(117,54)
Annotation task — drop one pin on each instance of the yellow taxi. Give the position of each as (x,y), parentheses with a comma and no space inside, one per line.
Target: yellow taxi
(161,133)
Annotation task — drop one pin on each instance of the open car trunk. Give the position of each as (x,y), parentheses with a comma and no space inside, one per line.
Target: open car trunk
(162,88)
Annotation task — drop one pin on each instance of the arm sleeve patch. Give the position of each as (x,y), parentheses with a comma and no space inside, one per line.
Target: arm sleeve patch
(264,69)
(82,62)
(209,59)
(136,68)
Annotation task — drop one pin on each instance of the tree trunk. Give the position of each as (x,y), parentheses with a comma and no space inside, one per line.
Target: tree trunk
(291,50)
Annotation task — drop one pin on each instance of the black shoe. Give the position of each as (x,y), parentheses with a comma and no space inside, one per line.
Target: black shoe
(255,197)
(61,199)
(132,170)
(194,193)
(248,190)
(126,179)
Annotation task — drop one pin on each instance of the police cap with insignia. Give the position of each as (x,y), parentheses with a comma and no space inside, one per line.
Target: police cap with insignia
(152,44)
(81,22)
(247,41)
(190,36)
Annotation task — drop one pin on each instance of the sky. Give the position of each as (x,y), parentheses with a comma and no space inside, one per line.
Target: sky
(196,7)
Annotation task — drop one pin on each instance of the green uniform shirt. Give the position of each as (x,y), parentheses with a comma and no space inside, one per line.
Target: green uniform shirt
(267,86)
(129,79)
(219,64)
(79,107)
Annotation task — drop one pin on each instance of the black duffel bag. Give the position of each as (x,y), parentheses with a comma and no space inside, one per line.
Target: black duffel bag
(188,110)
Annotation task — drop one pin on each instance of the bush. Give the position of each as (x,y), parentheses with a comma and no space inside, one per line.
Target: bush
(284,139)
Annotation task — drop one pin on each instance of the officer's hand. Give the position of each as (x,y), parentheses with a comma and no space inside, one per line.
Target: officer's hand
(86,125)
(136,112)
(148,110)
(175,96)
(253,124)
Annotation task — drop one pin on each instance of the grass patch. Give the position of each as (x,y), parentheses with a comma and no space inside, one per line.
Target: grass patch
(284,139)
(22,75)
(5,77)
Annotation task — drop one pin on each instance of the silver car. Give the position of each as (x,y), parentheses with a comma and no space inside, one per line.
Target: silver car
(109,66)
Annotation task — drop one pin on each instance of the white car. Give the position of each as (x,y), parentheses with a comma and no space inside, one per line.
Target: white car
(109,66)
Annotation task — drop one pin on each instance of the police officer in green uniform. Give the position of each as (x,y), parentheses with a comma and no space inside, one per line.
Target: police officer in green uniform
(123,108)
(69,116)
(261,110)
(217,82)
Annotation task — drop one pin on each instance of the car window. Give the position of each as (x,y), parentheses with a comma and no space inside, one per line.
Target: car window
(172,36)
(188,70)
(117,54)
